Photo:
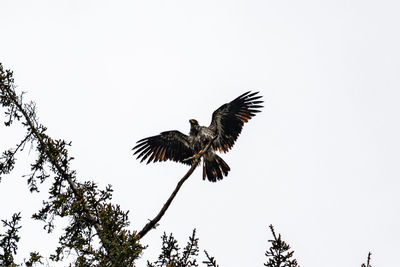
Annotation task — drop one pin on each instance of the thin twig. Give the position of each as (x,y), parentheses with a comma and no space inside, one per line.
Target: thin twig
(369,258)
(21,144)
(156,219)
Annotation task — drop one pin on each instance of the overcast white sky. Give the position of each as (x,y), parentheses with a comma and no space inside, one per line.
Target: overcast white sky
(320,163)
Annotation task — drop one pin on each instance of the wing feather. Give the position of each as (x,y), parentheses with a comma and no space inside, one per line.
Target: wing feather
(169,145)
(228,120)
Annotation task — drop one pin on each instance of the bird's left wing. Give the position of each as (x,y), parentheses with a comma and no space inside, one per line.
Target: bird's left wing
(228,120)
(170,145)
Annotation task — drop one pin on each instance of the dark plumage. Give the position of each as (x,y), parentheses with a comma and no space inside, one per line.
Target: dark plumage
(226,124)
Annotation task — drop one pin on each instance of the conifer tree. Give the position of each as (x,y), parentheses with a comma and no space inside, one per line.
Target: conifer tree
(279,254)
(98,230)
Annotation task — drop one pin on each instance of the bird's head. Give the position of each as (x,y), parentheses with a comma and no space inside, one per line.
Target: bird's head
(193,122)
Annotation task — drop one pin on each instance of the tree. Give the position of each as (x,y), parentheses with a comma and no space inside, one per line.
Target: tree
(278,254)
(368,261)
(98,229)
(171,256)
(9,240)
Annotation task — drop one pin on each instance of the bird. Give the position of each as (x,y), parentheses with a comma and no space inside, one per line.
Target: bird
(226,125)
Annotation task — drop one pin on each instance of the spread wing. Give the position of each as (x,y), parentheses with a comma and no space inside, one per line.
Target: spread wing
(170,145)
(228,120)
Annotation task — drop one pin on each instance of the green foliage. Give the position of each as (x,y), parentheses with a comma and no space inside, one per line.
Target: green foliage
(97,228)
(7,159)
(211,262)
(9,240)
(170,252)
(171,256)
(97,231)
(278,254)
(33,259)
(7,93)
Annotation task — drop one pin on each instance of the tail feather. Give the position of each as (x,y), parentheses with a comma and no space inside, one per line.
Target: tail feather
(214,168)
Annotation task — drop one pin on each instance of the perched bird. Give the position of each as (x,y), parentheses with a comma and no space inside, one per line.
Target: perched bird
(226,124)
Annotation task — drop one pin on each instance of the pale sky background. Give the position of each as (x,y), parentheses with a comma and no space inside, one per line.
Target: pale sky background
(320,163)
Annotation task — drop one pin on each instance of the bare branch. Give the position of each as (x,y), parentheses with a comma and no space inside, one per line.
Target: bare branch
(156,219)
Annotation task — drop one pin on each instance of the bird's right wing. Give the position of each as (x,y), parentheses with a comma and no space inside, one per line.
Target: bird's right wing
(170,145)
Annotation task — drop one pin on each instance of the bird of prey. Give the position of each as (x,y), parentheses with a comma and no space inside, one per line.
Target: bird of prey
(226,124)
